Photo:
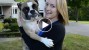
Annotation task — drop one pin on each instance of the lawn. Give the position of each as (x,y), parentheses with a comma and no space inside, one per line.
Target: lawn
(71,42)
(84,22)
(81,22)
(76,42)
(11,45)
(1,26)
(21,0)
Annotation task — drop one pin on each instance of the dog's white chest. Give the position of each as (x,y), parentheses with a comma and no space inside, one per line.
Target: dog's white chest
(32,25)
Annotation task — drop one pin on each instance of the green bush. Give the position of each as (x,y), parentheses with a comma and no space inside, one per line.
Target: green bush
(14,27)
(7,20)
(11,23)
(1,26)
(71,14)
(82,16)
(6,25)
(13,20)
(10,20)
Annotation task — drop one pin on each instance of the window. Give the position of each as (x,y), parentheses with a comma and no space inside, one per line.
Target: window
(15,11)
(0,10)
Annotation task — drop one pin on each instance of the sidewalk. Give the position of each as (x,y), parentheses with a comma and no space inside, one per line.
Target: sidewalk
(77,28)
(9,39)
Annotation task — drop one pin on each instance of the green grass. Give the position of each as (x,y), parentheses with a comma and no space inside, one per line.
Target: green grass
(81,22)
(21,0)
(11,45)
(71,42)
(84,22)
(1,26)
(76,42)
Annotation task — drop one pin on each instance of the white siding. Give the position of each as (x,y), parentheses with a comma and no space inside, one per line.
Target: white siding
(7,1)
(41,4)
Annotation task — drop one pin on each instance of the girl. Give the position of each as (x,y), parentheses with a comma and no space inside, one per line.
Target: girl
(56,11)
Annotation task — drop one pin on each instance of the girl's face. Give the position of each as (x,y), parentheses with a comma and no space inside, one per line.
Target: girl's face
(50,9)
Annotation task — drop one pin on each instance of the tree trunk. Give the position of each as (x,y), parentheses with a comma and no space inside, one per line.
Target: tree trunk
(76,13)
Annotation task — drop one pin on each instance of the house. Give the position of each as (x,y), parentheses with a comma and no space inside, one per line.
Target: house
(41,7)
(8,8)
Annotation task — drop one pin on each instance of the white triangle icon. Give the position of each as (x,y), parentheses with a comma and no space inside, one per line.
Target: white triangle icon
(44,24)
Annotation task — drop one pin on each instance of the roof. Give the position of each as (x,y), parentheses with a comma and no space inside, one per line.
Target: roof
(6,2)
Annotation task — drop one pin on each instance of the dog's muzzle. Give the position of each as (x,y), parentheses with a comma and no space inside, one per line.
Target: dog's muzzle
(29,13)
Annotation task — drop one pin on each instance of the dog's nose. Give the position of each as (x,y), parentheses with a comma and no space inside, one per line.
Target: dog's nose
(32,12)
(26,9)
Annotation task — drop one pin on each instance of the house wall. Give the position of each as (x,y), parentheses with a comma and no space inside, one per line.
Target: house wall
(6,1)
(7,8)
(7,11)
(15,14)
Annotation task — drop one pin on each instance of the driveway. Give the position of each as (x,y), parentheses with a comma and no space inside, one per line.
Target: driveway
(9,39)
(77,28)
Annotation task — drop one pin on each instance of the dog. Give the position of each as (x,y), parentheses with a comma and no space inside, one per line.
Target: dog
(30,15)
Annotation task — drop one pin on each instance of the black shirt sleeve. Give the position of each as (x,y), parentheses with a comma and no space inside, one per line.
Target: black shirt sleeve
(57,33)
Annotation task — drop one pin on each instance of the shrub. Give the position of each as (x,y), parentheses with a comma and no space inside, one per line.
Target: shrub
(6,25)
(7,20)
(13,27)
(1,26)
(13,20)
(82,16)
(11,23)
(10,20)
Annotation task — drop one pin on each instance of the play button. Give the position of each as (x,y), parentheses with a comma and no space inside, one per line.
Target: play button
(45,25)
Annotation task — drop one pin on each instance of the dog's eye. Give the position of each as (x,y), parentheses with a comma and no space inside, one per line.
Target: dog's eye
(34,6)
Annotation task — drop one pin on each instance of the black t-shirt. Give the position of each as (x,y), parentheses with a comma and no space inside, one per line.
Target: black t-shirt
(57,34)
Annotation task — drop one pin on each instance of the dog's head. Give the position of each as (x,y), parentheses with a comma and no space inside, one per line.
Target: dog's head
(29,10)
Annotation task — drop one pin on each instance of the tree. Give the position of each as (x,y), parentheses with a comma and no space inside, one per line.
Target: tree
(76,5)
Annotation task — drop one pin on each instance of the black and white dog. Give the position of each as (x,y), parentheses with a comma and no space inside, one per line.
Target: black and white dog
(30,15)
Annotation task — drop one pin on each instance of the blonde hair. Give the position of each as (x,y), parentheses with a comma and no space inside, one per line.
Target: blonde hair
(62,10)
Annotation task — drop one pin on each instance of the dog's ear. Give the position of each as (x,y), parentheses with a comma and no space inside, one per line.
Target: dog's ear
(19,5)
(34,6)
(24,5)
(36,1)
